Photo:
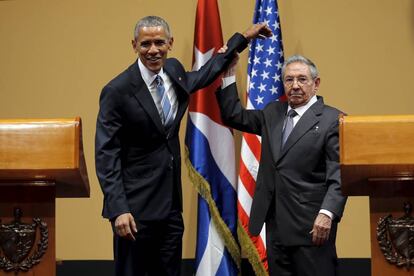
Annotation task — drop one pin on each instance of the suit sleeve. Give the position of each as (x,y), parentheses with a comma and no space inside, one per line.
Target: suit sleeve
(108,151)
(216,65)
(334,201)
(235,115)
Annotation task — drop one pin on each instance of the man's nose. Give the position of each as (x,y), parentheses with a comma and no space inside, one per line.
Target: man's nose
(153,49)
(295,84)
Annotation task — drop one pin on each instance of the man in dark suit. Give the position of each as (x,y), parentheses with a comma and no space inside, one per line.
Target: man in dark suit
(137,148)
(298,192)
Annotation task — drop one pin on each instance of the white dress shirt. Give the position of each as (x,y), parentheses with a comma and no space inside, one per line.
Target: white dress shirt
(149,78)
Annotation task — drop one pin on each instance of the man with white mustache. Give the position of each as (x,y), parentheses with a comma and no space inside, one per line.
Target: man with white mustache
(298,191)
(137,147)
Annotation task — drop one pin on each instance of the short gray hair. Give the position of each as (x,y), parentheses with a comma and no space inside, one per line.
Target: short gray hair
(152,21)
(298,58)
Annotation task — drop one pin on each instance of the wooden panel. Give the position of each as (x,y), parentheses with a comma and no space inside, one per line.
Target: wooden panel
(34,201)
(38,144)
(381,208)
(377,155)
(377,139)
(44,150)
(377,180)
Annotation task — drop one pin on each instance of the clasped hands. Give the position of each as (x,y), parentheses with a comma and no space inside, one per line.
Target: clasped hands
(258,30)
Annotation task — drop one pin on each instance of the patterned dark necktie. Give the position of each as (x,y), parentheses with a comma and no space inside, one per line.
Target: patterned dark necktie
(165,102)
(288,125)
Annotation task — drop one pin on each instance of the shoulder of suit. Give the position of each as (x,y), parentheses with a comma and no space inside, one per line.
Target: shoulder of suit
(329,108)
(122,81)
(332,112)
(173,63)
(275,104)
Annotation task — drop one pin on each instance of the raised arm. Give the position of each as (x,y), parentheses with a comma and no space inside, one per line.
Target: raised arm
(233,113)
(218,63)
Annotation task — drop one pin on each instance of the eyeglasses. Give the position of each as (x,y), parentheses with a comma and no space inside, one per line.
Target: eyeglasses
(301,81)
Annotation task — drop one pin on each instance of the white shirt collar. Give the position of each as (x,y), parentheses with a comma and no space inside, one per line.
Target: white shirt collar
(147,75)
(302,109)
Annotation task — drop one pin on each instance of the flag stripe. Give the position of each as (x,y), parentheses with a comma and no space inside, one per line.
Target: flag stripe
(217,136)
(209,253)
(253,143)
(260,240)
(248,182)
(220,188)
(203,225)
(245,200)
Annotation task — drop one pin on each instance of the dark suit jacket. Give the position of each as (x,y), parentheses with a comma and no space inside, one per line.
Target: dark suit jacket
(300,179)
(138,162)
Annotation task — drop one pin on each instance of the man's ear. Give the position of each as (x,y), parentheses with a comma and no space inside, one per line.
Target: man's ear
(170,43)
(317,83)
(134,45)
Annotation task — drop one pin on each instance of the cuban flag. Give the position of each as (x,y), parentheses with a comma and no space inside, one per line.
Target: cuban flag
(264,85)
(211,159)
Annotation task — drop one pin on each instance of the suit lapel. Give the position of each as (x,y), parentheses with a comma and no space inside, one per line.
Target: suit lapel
(143,95)
(305,123)
(276,130)
(180,90)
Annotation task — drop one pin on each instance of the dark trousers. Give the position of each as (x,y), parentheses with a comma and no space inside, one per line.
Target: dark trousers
(299,260)
(156,251)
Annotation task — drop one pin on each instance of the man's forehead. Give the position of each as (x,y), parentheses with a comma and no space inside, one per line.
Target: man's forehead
(152,38)
(297,68)
(153,32)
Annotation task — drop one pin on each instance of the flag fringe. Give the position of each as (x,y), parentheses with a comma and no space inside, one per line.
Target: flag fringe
(250,251)
(203,188)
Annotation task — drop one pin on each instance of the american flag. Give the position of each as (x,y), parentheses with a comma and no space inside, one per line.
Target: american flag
(264,85)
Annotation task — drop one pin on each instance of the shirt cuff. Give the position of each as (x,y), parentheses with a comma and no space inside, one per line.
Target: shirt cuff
(227,81)
(326,212)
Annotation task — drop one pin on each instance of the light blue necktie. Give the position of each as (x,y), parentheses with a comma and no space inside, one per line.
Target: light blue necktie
(165,102)
(288,125)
